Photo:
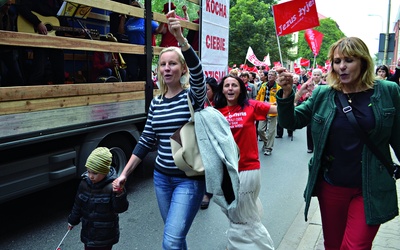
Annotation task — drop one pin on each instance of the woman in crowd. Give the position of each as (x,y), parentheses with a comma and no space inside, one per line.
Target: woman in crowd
(383,72)
(246,229)
(355,191)
(179,197)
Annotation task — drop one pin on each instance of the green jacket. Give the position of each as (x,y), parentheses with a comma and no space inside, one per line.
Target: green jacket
(379,188)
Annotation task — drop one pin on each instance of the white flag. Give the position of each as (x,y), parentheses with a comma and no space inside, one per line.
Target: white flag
(250,53)
(267,60)
(252,58)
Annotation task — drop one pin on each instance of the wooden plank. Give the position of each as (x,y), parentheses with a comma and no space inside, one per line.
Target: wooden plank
(132,11)
(15,107)
(159,17)
(56,42)
(22,39)
(112,6)
(66,90)
(98,16)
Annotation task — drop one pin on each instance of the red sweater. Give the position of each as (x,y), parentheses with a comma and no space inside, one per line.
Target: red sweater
(242,123)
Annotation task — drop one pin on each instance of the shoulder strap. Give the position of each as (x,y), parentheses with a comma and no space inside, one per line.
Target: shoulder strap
(347,110)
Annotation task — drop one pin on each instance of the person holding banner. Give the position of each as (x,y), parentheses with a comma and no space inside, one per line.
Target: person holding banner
(355,191)
(246,230)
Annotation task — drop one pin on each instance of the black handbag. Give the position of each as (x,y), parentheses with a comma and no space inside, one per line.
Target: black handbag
(391,167)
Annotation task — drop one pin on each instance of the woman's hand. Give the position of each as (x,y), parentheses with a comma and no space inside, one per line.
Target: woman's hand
(285,80)
(174,25)
(119,183)
(306,88)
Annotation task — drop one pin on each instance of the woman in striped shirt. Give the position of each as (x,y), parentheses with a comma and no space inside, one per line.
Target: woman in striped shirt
(179,197)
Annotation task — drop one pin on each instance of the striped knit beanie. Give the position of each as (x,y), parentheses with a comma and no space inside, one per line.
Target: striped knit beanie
(99,161)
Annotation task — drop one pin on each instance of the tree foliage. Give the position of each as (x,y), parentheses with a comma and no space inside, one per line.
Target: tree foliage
(251,24)
(158,5)
(331,32)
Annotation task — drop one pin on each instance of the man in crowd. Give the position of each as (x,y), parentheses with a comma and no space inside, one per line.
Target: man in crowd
(266,128)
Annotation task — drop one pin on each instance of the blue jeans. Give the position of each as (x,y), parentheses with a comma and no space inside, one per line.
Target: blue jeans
(179,200)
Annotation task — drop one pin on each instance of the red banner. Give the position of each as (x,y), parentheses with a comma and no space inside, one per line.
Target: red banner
(296,15)
(277,64)
(314,40)
(327,65)
(304,62)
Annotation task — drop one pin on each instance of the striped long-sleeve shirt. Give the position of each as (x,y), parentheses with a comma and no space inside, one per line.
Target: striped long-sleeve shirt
(166,115)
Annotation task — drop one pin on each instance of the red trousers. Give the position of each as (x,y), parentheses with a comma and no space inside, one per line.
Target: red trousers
(343,218)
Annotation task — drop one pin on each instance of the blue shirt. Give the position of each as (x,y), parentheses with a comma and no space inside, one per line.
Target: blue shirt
(135,30)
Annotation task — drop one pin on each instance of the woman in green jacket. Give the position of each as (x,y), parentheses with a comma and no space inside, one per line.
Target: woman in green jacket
(355,191)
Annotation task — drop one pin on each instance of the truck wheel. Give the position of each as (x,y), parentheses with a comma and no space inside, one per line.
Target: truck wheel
(121,149)
(119,159)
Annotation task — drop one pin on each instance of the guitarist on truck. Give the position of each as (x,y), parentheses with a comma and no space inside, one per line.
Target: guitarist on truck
(45,8)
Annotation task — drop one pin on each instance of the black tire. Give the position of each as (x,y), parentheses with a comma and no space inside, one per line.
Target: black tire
(121,149)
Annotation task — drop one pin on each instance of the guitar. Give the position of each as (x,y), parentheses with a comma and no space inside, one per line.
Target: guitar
(52,24)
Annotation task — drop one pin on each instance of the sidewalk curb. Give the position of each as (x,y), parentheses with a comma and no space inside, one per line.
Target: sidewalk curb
(301,234)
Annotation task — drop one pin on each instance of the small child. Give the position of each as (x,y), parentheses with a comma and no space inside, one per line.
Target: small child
(96,203)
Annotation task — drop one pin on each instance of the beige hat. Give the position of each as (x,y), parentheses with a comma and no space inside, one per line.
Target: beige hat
(99,161)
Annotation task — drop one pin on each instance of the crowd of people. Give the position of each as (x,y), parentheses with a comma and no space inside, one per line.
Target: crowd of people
(355,193)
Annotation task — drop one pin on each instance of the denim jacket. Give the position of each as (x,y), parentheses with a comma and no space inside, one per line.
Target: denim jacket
(378,187)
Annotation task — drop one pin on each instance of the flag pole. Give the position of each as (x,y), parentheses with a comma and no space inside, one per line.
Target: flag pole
(277,38)
(279,48)
(315,61)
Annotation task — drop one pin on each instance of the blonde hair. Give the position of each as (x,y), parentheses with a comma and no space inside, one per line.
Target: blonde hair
(352,47)
(184,80)
(234,72)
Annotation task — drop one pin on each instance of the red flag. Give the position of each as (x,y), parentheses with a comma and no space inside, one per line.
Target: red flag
(297,70)
(314,40)
(327,65)
(304,62)
(293,16)
(277,64)
(253,69)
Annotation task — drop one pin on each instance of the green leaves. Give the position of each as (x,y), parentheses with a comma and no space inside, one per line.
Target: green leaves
(331,32)
(252,24)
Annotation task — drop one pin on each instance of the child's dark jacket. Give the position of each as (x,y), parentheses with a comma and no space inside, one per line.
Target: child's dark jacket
(97,206)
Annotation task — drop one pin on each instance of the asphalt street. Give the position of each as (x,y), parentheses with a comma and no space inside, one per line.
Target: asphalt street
(39,221)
